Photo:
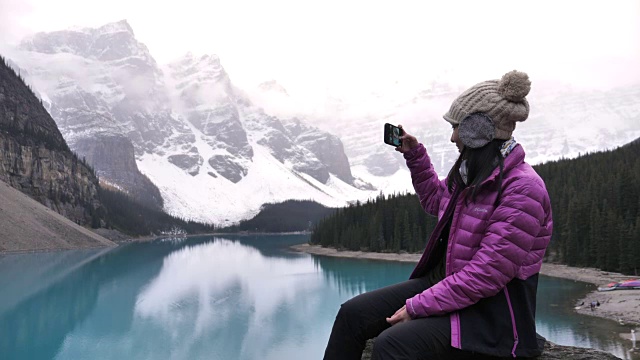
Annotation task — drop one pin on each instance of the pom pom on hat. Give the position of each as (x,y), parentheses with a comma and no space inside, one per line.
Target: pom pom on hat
(514,86)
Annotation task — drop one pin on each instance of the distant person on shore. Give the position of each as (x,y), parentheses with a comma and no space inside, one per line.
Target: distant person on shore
(473,292)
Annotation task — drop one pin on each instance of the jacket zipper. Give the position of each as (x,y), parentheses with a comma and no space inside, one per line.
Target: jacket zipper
(513,323)
(456,336)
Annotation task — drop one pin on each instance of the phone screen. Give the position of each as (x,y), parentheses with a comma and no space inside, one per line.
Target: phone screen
(392,135)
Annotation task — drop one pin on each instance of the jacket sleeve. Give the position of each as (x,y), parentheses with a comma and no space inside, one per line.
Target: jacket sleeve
(425,179)
(509,237)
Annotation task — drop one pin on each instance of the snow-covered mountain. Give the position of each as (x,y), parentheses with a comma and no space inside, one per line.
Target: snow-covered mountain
(214,156)
(563,123)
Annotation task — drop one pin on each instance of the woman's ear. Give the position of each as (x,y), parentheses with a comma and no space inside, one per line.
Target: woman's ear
(476,130)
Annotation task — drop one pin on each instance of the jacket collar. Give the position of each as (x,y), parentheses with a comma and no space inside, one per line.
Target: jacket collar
(515,158)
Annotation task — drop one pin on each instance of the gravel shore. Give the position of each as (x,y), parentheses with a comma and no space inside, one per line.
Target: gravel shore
(27,225)
(619,305)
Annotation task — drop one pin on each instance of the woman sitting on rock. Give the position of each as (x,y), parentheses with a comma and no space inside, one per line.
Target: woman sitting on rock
(474,289)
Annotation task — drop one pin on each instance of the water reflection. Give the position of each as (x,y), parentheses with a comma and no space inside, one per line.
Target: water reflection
(202,289)
(218,299)
(46,327)
(47,295)
(352,277)
(213,298)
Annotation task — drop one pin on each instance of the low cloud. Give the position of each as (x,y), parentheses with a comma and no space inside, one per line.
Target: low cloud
(11,26)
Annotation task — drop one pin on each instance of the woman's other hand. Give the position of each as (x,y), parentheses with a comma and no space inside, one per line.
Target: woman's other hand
(400,316)
(408,142)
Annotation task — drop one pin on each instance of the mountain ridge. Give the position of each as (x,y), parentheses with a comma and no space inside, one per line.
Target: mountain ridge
(186,121)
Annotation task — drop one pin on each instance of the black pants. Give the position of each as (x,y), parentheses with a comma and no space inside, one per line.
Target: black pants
(364,317)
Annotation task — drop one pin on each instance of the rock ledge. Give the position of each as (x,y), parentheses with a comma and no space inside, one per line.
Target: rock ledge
(551,352)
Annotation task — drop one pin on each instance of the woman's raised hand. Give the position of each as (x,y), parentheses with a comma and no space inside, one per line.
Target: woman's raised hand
(408,141)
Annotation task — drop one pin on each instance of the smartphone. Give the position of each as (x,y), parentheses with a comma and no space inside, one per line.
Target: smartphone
(392,135)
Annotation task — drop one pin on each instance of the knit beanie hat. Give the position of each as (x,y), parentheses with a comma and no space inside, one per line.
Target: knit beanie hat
(503,101)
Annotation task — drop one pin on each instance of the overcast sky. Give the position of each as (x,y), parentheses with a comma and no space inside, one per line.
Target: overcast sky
(350,46)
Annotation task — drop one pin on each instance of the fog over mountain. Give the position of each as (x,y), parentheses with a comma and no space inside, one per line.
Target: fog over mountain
(213,155)
(183,136)
(564,122)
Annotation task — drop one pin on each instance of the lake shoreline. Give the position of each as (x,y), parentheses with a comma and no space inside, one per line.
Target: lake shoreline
(242,234)
(121,239)
(622,306)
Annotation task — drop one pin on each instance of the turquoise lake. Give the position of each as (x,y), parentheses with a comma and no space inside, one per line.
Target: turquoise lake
(244,297)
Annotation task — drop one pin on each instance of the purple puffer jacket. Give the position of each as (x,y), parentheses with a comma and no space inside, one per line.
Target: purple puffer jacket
(490,244)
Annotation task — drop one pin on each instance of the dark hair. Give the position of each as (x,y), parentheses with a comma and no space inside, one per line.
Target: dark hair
(480,164)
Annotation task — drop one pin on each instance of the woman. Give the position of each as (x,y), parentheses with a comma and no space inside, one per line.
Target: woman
(473,292)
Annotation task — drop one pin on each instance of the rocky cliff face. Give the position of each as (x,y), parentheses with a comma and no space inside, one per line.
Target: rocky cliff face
(327,148)
(114,157)
(34,157)
(203,94)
